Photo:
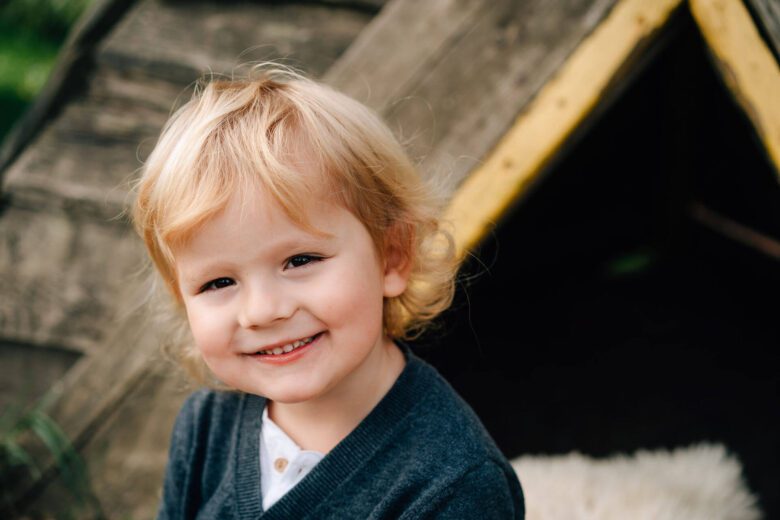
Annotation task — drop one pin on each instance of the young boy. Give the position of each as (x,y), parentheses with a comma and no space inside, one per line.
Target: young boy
(301,244)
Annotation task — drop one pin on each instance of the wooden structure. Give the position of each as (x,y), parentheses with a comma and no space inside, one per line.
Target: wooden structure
(493,93)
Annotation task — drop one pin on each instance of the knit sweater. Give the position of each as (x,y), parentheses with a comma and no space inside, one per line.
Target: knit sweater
(420,453)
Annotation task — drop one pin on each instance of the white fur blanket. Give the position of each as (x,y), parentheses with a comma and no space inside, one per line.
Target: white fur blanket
(701,482)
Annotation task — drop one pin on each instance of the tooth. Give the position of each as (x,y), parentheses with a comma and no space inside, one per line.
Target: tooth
(298,343)
(277,350)
(288,347)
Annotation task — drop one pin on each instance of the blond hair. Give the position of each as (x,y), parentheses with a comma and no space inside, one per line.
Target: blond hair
(235,136)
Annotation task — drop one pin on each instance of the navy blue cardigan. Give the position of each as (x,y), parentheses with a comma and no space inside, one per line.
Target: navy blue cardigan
(421,453)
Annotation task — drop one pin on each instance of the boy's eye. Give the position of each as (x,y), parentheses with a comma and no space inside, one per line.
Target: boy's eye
(217,283)
(300,260)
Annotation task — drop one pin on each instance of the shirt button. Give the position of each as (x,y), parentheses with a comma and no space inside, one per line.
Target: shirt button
(280,464)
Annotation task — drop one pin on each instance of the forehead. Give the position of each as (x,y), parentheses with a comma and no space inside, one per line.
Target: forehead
(255,225)
(262,215)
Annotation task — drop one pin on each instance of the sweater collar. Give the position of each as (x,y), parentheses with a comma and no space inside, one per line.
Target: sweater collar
(352,452)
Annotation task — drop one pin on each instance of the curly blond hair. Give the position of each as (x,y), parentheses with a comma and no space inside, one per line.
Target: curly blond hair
(235,136)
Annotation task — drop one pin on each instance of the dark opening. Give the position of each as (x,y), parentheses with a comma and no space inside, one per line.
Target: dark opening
(604,316)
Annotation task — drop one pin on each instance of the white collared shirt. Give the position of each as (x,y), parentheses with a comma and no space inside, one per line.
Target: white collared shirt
(282,462)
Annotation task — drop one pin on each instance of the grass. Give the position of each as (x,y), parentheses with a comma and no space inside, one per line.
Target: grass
(15,460)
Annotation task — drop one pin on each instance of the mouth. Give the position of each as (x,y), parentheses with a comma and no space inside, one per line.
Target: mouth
(287,348)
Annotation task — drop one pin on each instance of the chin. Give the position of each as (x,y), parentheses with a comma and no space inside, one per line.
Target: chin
(292,395)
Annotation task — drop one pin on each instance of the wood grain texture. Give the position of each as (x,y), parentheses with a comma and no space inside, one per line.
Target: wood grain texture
(180,41)
(746,65)
(126,445)
(563,103)
(477,91)
(453,84)
(61,278)
(399,46)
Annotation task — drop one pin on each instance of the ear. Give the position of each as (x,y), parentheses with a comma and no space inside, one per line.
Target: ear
(397,265)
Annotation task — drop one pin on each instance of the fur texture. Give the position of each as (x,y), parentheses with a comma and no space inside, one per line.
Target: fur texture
(702,482)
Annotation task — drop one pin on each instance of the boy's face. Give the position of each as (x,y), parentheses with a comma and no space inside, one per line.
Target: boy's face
(280,312)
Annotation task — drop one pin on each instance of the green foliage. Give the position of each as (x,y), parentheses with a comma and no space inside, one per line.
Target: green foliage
(31,32)
(25,62)
(16,461)
(47,19)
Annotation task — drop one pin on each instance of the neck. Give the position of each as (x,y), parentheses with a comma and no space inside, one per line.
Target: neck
(320,424)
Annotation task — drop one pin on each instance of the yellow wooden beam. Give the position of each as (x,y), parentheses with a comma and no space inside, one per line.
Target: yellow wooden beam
(746,65)
(561,106)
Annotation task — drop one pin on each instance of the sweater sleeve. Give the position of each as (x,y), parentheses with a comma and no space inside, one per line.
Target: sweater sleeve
(484,492)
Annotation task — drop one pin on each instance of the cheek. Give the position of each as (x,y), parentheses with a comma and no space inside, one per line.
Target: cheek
(353,299)
(207,329)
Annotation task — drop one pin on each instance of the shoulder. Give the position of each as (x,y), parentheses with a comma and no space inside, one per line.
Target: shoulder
(442,423)
(486,491)
(446,442)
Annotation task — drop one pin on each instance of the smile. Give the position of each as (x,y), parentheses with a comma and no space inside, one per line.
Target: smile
(289,347)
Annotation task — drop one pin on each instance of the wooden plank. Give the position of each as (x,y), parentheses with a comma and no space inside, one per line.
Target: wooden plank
(510,54)
(453,85)
(62,279)
(98,387)
(559,108)
(81,163)
(399,45)
(746,65)
(180,41)
(26,373)
(128,448)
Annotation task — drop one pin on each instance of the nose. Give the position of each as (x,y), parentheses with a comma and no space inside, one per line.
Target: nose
(264,303)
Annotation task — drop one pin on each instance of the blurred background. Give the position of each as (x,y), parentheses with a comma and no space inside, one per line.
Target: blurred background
(621,294)
(31,33)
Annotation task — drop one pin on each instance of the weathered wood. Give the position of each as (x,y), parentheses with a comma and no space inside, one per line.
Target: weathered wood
(26,373)
(61,278)
(746,65)
(490,76)
(99,387)
(81,163)
(458,86)
(180,41)
(128,448)
(563,104)
(768,14)
(400,44)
